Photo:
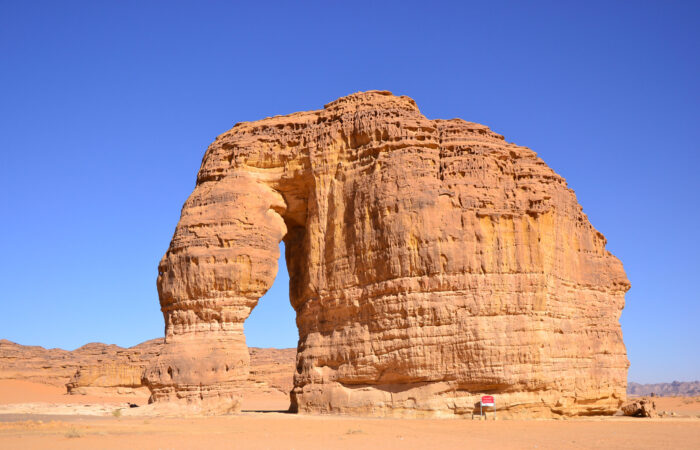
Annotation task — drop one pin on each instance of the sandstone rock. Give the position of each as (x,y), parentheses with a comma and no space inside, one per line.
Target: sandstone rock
(272,368)
(430,262)
(34,363)
(119,373)
(57,367)
(99,369)
(640,408)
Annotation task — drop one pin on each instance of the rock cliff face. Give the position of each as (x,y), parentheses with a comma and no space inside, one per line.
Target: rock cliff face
(430,262)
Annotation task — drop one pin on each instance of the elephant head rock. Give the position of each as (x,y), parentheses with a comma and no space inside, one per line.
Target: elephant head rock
(430,262)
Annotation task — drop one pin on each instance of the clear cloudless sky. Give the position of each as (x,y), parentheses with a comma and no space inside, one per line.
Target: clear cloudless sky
(106,109)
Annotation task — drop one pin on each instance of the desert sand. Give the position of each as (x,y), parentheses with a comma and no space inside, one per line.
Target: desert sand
(33,415)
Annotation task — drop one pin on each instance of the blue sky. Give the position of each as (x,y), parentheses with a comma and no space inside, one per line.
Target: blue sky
(106,109)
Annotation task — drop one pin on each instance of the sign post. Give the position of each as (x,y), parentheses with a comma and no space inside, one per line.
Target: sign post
(487,400)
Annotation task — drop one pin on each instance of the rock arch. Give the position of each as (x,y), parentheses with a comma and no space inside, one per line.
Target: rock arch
(430,262)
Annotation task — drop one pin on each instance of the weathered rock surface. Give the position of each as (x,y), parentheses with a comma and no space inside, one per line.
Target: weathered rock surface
(120,372)
(100,369)
(272,368)
(430,262)
(92,365)
(640,408)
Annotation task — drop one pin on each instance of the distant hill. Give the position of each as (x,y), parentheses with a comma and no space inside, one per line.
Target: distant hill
(103,366)
(675,389)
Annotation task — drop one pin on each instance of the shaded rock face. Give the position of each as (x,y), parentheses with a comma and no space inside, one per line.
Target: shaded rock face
(430,262)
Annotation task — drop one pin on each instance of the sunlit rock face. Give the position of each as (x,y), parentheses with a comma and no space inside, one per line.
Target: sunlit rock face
(430,262)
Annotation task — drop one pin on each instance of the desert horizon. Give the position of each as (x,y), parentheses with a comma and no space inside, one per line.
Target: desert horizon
(396,224)
(483,296)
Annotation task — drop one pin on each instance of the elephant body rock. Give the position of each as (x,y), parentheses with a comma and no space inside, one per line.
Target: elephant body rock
(430,262)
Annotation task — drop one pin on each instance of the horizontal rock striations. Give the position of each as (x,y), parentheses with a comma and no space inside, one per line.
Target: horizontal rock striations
(120,372)
(430,262)
(100,369)
(93,366)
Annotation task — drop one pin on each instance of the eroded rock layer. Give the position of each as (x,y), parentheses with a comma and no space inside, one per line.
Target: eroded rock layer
(430,262)
(94,366)
(108,370)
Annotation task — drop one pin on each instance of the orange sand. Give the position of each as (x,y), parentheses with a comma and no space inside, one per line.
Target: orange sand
(682,406)
(18,391)
(258,430)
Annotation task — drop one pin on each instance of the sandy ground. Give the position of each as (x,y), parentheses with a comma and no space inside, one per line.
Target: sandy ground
(45,426)
(18,391)
(682,406)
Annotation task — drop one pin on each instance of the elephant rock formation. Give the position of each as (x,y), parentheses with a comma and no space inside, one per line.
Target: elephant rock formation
(430,262)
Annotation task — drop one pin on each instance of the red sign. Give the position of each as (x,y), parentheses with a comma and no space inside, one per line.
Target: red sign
(487,400)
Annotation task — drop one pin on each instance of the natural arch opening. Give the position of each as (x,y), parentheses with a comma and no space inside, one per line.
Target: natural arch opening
(272,323)
(272,336)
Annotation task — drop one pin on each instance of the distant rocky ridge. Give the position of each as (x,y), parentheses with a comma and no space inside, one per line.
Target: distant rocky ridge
(59,367)
(98,368)
(674,389)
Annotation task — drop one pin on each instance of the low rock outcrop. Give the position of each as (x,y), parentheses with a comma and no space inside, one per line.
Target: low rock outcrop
(103,365)
(640,408)
(120,372)
(100,369)
(430,262)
